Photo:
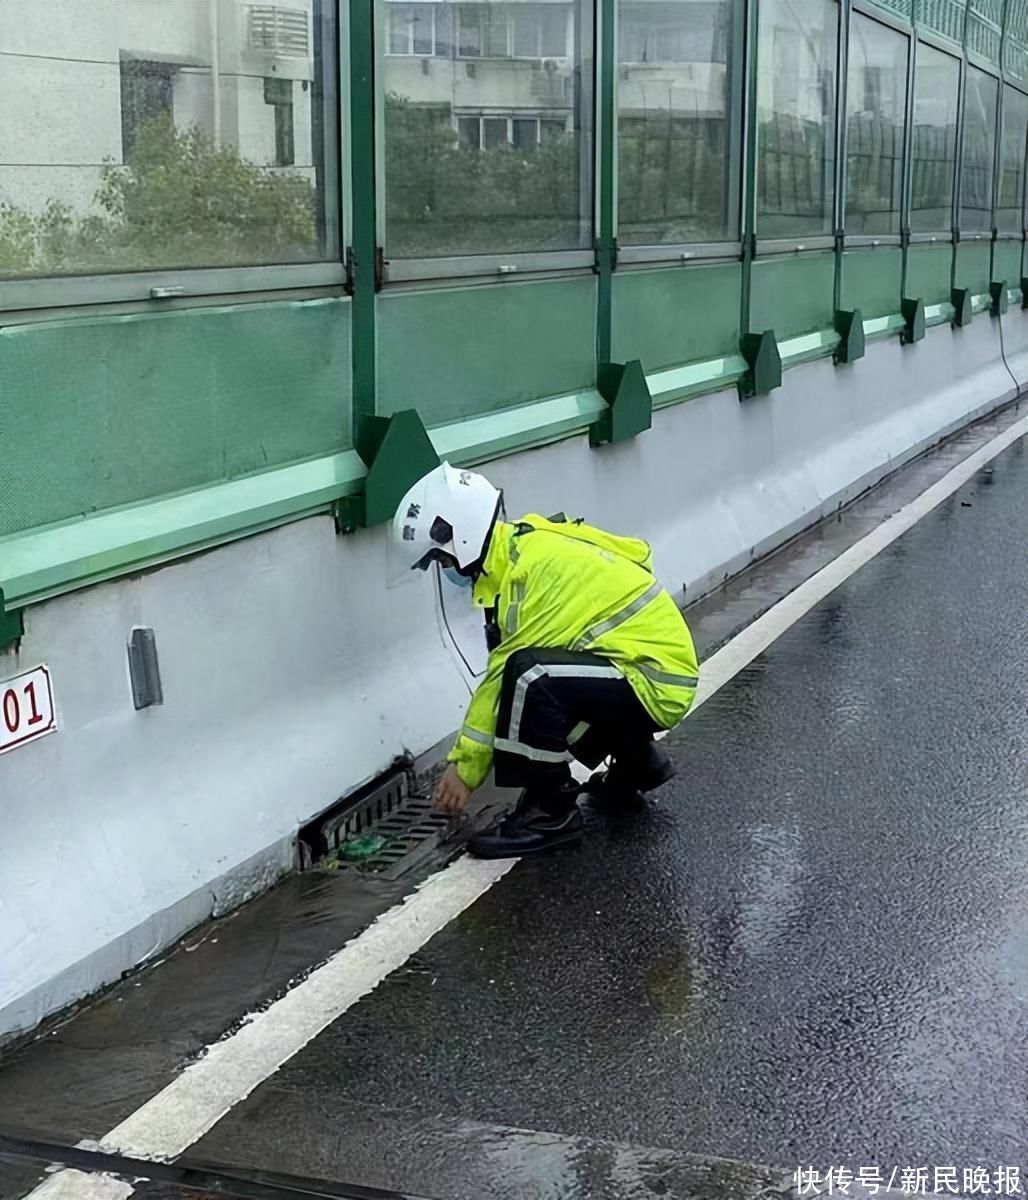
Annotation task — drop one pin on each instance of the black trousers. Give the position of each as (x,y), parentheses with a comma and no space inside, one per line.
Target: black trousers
(556,705)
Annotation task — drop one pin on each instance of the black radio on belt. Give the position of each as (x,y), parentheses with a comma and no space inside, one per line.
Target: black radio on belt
(492,629)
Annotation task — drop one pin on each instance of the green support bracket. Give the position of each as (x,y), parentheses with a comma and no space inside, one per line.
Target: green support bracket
(849,325)
(12,626)
(960,298)
(1000,300)
(764,362)
(630,405)
(914,323)
(397,452)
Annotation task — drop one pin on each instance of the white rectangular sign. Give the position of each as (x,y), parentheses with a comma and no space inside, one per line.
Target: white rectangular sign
(26,709)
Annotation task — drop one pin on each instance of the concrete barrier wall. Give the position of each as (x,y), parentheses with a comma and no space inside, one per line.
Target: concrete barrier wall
(294,666)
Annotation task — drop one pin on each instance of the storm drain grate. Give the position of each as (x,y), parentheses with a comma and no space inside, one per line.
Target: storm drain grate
(386,808)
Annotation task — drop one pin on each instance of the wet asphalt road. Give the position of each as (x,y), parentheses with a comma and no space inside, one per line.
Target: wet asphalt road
(812,949)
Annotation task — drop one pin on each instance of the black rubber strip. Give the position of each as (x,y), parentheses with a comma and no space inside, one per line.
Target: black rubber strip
(201,1177)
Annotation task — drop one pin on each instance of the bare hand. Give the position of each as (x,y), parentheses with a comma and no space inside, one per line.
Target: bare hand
(452,793)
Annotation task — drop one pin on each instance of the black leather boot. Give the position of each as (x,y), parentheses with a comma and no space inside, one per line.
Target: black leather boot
(543,821)
(630,776)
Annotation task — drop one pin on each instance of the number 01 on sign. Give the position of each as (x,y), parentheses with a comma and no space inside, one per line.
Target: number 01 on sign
(26,709)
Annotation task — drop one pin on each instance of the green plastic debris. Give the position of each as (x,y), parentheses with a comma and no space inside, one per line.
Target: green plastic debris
(359,848)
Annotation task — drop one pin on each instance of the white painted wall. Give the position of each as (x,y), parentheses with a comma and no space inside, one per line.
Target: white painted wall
(294,668)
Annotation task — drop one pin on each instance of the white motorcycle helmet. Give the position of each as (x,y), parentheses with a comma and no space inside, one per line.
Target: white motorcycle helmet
(447,515)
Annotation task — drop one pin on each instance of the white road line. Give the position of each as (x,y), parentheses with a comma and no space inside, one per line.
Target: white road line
(231,1069)
(77,1185)
(755,638)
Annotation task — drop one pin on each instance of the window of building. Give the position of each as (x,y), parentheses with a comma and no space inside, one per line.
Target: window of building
(934,140)
(522,132)
(193,157)
(412,29)
(540,31)
(796,97)
(1010,194)
(876,102)
(484,31)
(147,95)
(674,31)
(279,94)
(678,167)
(977,156)
(513,30)
(489,152)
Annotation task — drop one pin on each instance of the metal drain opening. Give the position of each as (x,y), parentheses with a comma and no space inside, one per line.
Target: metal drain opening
(387,828)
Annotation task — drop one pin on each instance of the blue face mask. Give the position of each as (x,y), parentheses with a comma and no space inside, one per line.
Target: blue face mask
(457,579)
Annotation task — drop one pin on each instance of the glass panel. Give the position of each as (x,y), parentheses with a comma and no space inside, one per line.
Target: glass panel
(401,20)
(469,42)
(934,152)
(494,132)
(526,35)
(540,30)
(488,150)
(1010,201)
(469,131)
(553,32)
(496,28)
(876,103)
(796,97)
(678,165)
(142,136)
(525,131)
(979,144)
(423,18)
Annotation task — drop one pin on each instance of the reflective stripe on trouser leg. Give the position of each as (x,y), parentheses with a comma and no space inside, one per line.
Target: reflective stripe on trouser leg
(533,723)
(555,671)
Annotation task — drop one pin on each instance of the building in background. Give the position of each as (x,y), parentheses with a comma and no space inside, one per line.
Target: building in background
(81,81)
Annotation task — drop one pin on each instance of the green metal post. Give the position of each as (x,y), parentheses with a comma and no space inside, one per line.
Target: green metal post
(362,201)
(997,155)
(959,165)
(907,203)
(841,139)
(749,196)
(606,122)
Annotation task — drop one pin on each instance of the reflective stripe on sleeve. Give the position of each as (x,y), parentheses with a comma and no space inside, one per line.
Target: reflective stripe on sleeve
(602,627)
(513,612)
(658,676)
(473,735)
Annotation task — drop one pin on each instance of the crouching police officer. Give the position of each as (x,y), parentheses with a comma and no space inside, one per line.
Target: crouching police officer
(589,657)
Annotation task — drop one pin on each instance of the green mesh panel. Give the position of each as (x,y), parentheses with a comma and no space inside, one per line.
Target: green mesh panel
(984,28)
(902,8)
(944,16)
(1015,57)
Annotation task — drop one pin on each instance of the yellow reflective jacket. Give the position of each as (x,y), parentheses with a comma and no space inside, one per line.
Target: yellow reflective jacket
(571,586)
